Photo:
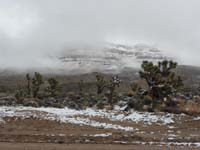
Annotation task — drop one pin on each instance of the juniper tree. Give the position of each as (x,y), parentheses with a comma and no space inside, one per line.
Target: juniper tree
(101,83)
(53,87)
(37,81)
(160,78)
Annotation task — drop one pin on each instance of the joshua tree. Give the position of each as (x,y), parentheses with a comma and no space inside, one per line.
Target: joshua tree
(19,95)
(162,82)
(101,83)
(28,90)
(80,85)
(37,81)
(114,82)
(53,87)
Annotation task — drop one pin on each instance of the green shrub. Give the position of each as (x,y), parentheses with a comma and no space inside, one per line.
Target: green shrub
(135,87)
(147,100)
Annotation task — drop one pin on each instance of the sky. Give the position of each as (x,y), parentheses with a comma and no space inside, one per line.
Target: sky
(31,31)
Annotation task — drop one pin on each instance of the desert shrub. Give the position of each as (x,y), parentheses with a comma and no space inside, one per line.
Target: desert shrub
(189,107)
(31,103)
(130,94)
(71,95)
(100,104)
(192,107)
(134,103)
(58,105)
(135,88)
(147,100)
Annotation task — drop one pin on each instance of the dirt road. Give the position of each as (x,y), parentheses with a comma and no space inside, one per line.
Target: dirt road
(42,146)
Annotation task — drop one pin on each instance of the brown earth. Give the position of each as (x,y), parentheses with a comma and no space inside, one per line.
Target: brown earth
(47,146)
(17,133)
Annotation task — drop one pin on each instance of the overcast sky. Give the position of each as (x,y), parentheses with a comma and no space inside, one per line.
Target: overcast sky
(33,29)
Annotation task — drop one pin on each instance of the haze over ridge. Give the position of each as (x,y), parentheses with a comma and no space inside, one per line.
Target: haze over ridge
(33,33)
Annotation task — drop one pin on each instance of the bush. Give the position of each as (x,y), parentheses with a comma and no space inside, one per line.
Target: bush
(135,88)
(134,103)
(147,100)
(100,105)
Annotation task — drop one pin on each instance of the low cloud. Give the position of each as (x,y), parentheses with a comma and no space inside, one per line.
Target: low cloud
(34,33)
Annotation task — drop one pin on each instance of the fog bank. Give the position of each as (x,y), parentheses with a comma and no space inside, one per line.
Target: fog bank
(34,33)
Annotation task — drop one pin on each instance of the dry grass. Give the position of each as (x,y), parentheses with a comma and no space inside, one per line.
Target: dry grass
(189,107)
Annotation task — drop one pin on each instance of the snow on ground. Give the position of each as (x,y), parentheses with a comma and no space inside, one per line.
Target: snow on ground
(197,118)
(61,115)
(145,117)
(70,116)
(84,117)
(101,135)
(168,143)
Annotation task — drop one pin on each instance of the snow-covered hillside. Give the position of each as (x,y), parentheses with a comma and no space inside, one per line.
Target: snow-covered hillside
(108,58)
(112,57)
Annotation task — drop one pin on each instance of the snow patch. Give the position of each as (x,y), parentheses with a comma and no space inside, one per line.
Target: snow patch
(197,118)
(102,135)
(64,115)
(197,144)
